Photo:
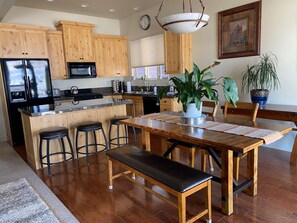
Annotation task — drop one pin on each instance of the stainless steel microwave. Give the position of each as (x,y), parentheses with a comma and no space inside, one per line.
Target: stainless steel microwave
(81,70)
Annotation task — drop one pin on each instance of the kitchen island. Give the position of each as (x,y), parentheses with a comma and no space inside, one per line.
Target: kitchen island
(66,114)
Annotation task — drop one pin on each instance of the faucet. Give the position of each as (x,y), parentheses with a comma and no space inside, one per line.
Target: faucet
(147,86)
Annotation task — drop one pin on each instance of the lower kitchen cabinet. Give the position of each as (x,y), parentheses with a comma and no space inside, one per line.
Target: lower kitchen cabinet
(170,104)
(137,107)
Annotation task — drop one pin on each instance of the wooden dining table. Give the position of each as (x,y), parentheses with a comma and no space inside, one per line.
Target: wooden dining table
(224,142)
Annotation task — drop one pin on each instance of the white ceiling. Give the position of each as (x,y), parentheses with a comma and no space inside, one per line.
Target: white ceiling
(99,8)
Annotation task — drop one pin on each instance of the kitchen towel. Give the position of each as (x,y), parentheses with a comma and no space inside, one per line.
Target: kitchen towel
(128,86)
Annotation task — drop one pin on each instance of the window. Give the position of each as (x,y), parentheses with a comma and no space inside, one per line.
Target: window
(149,72)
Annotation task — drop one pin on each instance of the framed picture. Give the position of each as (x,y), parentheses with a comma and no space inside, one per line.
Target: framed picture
(240,31)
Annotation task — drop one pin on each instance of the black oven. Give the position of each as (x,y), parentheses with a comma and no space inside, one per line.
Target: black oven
(81,70)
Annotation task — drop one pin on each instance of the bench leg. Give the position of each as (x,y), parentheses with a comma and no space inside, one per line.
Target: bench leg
(208,201)
(110,174)
(181,208)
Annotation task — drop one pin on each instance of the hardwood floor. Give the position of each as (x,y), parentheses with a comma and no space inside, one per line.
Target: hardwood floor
(84,191)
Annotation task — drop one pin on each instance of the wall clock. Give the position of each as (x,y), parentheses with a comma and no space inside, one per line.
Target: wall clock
(145,22)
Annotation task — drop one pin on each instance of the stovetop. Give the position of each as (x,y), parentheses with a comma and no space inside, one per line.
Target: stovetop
(83,94)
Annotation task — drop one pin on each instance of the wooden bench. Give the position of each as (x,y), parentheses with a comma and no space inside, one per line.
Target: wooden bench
(175,178)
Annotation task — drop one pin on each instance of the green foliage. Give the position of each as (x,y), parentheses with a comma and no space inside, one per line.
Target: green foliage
(262,75)
(198,84)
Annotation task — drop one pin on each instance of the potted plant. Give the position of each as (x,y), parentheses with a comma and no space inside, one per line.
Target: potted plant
(198,84)
(260,78)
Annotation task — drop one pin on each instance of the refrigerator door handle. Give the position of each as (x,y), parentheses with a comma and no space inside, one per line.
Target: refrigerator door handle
(29,87)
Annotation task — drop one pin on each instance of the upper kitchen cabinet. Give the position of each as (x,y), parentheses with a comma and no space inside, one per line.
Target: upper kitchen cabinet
(178,52)
(56,54)
(23,41)
(78,41)
(111,55)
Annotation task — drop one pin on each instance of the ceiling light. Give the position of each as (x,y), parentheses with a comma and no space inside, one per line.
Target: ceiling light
(50,0)
(136,8)
(84,5)
(112,10)
(185,22)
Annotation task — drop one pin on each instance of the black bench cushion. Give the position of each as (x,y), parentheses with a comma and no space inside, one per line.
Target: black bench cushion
(170,173)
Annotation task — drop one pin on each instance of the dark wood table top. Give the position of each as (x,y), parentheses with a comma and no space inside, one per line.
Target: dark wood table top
(219,140)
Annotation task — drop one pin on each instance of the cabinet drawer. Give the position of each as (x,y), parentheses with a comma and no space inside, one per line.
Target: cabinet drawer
(165,108)
(136,99)
(166,101)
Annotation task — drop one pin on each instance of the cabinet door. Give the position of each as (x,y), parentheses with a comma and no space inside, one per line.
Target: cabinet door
(110,57)
(86,44)
(35,44)
(71,35)
(11,43)
(178,52)
(122,57)
(56,55)
(100,56)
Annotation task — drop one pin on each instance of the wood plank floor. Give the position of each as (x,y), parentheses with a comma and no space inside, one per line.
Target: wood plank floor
(84,191)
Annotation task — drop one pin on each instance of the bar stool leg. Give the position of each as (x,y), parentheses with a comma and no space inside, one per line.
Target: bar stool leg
(103,133)
(126,133)
(134,135)
(63,149)
(87,147)
(71,150)
(118,135)
(95,140)
(48,157)
(40,153)
(109,135)
(76,143)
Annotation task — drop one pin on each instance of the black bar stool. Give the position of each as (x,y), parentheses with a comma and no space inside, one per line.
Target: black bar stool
(54,133)
(86,128)
(116,121)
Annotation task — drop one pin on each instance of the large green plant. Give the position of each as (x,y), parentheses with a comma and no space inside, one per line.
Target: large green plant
(200,83)
(262,75)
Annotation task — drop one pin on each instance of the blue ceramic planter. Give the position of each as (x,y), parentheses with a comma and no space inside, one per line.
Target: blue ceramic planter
(259,96)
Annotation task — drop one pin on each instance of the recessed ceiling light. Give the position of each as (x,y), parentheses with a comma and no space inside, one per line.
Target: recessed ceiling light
(136,8)
(50,0)
(84,5)
(112,10)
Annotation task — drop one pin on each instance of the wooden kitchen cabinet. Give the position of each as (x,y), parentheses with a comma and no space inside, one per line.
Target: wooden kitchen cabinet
(170,104)
(56,54)
(111,55)
(137,108)
(78,41)
(23,41)
(178,52)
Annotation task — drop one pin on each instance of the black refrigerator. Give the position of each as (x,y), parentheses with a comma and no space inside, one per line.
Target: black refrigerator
(27,82)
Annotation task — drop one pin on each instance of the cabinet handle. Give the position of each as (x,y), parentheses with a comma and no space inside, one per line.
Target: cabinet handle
(23,53)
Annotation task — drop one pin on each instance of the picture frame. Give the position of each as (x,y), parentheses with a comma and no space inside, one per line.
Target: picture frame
(239,31)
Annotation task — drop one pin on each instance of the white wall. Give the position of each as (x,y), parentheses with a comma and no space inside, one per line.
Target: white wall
(279,35)
(47,18)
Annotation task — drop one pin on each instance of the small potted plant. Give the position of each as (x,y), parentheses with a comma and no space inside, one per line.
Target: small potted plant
(198,84)
(260,78)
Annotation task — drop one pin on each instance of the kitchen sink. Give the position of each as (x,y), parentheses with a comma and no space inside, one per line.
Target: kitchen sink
(142,92)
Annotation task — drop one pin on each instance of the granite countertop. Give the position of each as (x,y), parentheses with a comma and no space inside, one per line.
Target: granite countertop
(62,107)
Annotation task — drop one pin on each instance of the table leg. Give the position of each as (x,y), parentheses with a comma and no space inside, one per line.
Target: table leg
(227,181)
(147,139)
(252,171)
(293,159)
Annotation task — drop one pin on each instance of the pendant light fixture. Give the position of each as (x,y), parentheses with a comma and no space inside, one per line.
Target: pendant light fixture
(185,22)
